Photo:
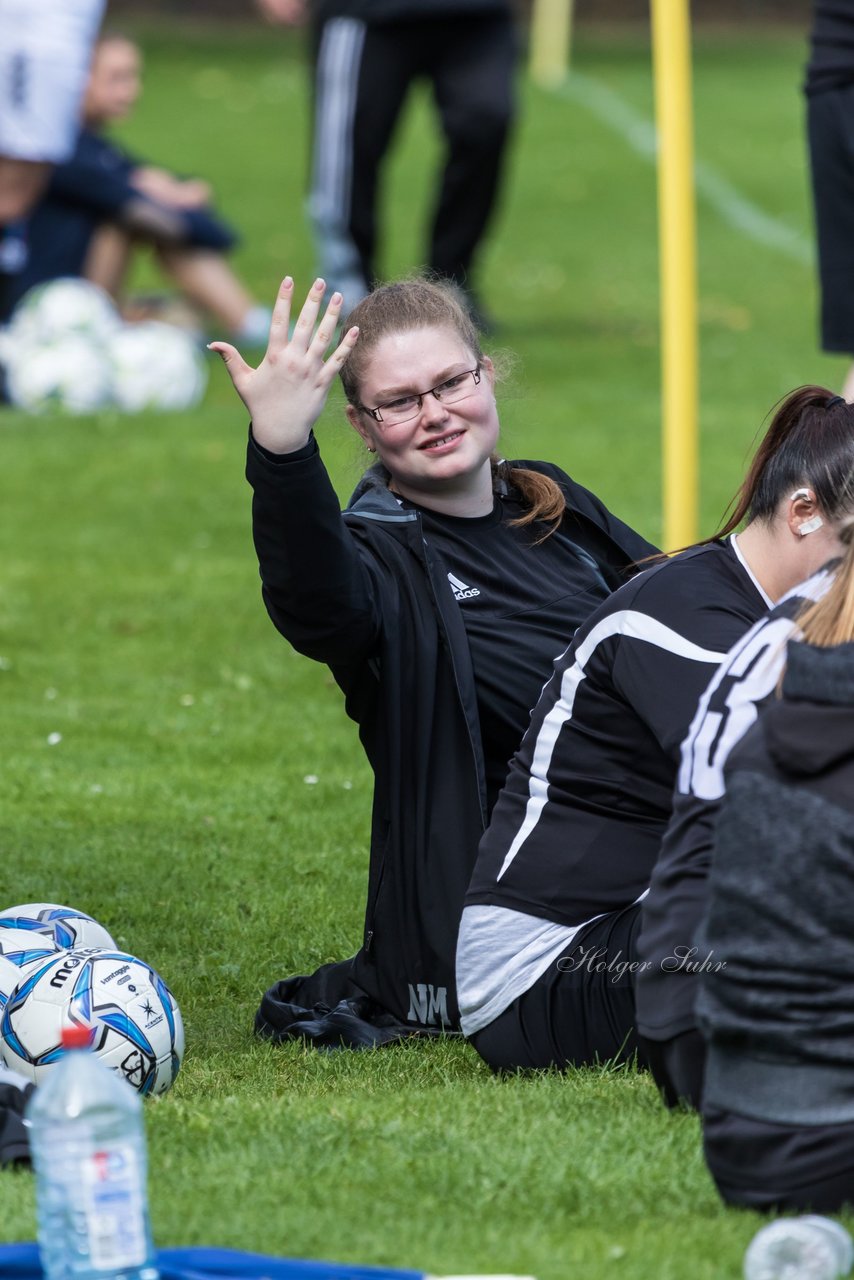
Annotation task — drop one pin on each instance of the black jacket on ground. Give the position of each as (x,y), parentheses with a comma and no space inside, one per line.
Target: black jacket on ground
(368,595)
(14,1143)
(776,1005)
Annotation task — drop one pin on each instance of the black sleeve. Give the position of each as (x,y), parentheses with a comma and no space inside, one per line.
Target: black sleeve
(617,549)
(635,547)
(96,177)
(322,592)
(676,635)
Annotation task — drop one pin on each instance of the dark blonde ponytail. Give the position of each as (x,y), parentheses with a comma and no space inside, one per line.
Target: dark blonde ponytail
(541,495)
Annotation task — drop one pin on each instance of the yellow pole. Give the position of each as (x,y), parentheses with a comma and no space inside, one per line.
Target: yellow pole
(671,32)
(551,29)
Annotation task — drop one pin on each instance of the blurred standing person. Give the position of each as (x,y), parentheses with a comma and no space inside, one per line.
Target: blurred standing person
(45,47)
(829,90)
(366,55)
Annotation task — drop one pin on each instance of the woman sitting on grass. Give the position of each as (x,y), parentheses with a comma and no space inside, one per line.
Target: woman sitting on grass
(776,1007)
(547,950)
(672,962)
(439,599)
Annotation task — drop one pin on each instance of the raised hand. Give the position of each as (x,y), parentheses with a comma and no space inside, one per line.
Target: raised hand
(285,395)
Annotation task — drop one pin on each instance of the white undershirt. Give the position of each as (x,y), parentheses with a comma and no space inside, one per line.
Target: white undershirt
(751,575)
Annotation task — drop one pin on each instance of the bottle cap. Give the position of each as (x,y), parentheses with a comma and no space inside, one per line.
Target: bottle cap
(76,1037)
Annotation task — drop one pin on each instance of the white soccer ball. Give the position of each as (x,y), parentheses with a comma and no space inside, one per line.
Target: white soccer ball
(61,307)
(71,374)
(156,366)
(20,951)
(66,926)
(135,1022)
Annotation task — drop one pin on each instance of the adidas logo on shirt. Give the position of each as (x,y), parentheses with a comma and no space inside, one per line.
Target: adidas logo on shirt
(460,590)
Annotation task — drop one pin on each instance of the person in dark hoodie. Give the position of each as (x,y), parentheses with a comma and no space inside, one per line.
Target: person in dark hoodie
(439,599)
(775,1001)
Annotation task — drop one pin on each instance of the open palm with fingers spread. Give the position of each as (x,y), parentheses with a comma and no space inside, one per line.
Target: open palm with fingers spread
(285,395)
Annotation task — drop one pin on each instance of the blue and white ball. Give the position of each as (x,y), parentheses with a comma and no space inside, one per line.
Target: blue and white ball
(66,926)
(135,1022)
(21,951)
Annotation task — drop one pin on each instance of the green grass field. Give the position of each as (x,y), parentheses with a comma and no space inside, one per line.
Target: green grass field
(176,808)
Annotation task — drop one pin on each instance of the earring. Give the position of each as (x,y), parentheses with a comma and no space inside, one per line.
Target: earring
(810,526)
(370,448)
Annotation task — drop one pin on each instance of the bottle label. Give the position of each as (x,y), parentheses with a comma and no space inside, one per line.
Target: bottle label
(115,1217)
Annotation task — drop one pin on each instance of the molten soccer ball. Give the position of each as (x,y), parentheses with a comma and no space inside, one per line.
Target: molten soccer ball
(67,927)
(135,1022)
(20,951)
(156,366)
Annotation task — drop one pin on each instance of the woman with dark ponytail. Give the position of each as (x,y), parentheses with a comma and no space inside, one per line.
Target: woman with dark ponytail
(809,452)
(438,598)
(775,1007)
(548,958)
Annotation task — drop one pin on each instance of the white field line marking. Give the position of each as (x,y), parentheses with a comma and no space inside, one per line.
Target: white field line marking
(640,134)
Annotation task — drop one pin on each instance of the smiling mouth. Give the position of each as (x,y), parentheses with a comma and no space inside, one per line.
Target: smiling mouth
(435,444)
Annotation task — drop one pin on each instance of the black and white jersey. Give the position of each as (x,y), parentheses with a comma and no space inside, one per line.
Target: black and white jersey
(577,827)
(669,960)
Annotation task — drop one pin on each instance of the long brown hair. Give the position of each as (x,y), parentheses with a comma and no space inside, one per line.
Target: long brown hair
(418,304)
(810,441)
(830,621)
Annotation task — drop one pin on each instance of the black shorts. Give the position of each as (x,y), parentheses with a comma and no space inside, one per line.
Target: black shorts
(830,125)
(764,1166)
(580,1011)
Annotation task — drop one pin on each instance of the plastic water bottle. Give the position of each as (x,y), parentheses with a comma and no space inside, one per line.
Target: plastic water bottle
(807,1248)
(88,1147)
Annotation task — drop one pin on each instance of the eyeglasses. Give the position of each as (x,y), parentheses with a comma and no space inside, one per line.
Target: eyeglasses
(406,407)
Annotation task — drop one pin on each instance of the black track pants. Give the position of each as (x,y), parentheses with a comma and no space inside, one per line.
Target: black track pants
(362,76)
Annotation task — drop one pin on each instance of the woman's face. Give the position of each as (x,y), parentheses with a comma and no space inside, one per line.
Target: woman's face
(443,447)
(114,81)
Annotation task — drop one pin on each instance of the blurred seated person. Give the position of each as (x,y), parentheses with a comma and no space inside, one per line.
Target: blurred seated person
(103,203)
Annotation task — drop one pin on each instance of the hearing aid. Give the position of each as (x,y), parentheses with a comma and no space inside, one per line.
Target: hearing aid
(808,526)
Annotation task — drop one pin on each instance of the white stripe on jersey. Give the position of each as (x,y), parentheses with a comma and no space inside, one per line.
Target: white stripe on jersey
(753,665)
(625,622)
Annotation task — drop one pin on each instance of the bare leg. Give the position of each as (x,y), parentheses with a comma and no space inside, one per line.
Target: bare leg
(848,386)
(208,281)
(21,184)
(108,258)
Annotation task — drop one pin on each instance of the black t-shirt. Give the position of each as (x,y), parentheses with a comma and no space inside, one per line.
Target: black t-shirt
(521,602)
